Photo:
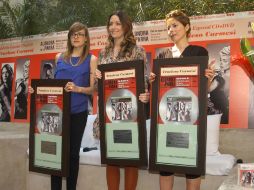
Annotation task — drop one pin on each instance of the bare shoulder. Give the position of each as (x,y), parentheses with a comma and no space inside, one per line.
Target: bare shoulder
(93,58)
(58,55)
(93,62)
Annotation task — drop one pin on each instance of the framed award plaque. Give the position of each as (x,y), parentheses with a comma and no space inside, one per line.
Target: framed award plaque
(49,127)
(178,120)
(122,115)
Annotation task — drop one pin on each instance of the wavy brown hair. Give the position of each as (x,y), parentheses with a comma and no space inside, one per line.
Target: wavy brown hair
(75,27)
(180,17)
(129,40)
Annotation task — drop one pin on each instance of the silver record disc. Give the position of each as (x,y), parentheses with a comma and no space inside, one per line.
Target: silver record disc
(121,106)
(179,106)
(49,119)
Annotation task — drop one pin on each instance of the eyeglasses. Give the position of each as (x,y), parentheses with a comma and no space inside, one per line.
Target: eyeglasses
(74,35)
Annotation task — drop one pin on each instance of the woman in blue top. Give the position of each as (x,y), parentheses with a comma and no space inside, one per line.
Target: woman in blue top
(78,65)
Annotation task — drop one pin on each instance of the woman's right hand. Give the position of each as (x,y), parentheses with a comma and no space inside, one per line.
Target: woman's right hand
(98,74)
(30,90)
(152,77)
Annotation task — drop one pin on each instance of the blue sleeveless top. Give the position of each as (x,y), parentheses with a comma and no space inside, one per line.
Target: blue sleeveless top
(80,75)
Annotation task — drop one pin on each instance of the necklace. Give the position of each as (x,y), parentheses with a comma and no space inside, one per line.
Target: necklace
(76,64)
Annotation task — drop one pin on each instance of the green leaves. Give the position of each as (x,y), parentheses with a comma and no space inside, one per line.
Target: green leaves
(43,16)
(5,30)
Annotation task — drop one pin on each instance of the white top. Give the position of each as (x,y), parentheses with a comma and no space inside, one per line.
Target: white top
(175,52)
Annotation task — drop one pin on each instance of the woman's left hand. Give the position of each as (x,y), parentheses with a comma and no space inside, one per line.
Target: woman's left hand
(71,87)
(144,97)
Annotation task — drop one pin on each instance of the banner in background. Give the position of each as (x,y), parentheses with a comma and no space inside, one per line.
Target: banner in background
(219,33)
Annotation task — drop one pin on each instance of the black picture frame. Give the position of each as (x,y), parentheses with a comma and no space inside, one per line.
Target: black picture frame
(49,127)
(138,66)
(155,163)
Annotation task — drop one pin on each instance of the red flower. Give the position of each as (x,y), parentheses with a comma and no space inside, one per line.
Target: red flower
(246,59)
(244,63)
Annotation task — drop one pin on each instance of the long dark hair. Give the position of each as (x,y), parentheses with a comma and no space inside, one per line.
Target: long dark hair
(10,72)
(75,27)
(129,40)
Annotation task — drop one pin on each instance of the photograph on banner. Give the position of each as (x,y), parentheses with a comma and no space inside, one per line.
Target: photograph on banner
(47,69)
(179,123)
(219,89)
(6,84)
(48,105)
(162,53)
(21,88)
(118,89)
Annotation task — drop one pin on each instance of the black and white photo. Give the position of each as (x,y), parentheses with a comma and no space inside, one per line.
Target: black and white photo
(47,69)
(21,88)
(219,89)
(121,109)
(6,91)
